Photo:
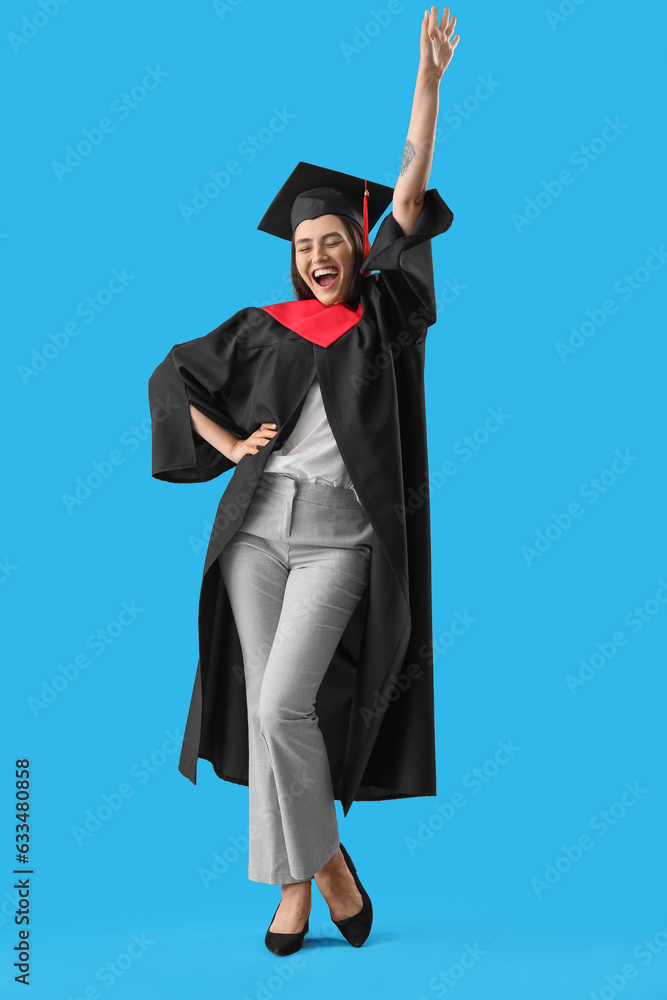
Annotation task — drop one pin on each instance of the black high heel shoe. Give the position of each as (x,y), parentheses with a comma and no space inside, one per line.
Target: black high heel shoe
(285,944)
(356,928)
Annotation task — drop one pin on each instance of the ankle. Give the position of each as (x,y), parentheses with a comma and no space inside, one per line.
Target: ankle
(334,869)
(296,890)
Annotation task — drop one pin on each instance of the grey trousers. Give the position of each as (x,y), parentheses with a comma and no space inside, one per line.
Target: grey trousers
(294,574)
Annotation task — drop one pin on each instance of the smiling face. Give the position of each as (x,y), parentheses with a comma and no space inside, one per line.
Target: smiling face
(324,245)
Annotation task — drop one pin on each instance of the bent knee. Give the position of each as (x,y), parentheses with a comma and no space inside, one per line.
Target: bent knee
(274,717)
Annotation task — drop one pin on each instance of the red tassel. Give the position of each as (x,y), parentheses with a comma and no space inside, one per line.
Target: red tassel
(367,245)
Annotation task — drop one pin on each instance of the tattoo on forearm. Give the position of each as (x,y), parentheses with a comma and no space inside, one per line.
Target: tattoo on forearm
(408,155)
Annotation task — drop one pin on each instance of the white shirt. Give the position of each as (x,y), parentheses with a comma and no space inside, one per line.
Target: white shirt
(310,452)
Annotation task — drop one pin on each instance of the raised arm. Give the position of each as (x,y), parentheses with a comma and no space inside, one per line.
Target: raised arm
(436,48)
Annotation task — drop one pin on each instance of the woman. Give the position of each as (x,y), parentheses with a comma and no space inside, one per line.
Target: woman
(314,579)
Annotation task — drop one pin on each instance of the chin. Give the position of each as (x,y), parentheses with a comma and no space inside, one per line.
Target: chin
(328,300)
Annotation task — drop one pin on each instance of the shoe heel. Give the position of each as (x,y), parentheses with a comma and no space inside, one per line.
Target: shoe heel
(355,929)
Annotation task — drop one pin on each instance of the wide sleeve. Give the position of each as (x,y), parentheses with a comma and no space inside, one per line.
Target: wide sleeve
(405,283)
(201,372)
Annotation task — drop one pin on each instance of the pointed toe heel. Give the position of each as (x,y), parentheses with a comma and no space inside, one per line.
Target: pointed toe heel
(355,929)
(285,944)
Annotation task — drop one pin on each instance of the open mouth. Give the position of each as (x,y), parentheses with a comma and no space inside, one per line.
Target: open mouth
(325,276)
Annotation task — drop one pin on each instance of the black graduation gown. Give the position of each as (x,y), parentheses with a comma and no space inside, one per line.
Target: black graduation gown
(375,705)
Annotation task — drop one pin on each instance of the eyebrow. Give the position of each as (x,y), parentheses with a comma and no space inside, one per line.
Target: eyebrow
(307,239)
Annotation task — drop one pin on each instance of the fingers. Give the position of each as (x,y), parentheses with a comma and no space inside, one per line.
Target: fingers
(447,25)
(260,438)
(263,434)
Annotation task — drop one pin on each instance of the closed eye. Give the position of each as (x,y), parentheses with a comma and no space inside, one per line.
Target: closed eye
(326,244)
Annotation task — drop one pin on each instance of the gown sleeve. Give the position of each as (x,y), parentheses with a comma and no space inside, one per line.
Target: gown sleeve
(405,282)
(201,372)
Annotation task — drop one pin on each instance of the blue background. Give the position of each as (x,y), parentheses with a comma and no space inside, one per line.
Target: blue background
(533,93)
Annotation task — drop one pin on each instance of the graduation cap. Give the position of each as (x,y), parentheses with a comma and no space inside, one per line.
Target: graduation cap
(311,191)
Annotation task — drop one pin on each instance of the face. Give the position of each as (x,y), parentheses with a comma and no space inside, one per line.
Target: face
(324,244)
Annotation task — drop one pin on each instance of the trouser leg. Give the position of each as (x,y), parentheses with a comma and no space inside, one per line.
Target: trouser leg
(255,575)
(322,590)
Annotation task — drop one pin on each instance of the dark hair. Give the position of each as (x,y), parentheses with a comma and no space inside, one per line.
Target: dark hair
(355,232)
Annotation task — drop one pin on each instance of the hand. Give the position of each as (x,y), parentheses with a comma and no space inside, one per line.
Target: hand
(436,45)
(252,444)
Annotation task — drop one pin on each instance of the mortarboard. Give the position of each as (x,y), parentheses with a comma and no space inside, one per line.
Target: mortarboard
(311,191)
